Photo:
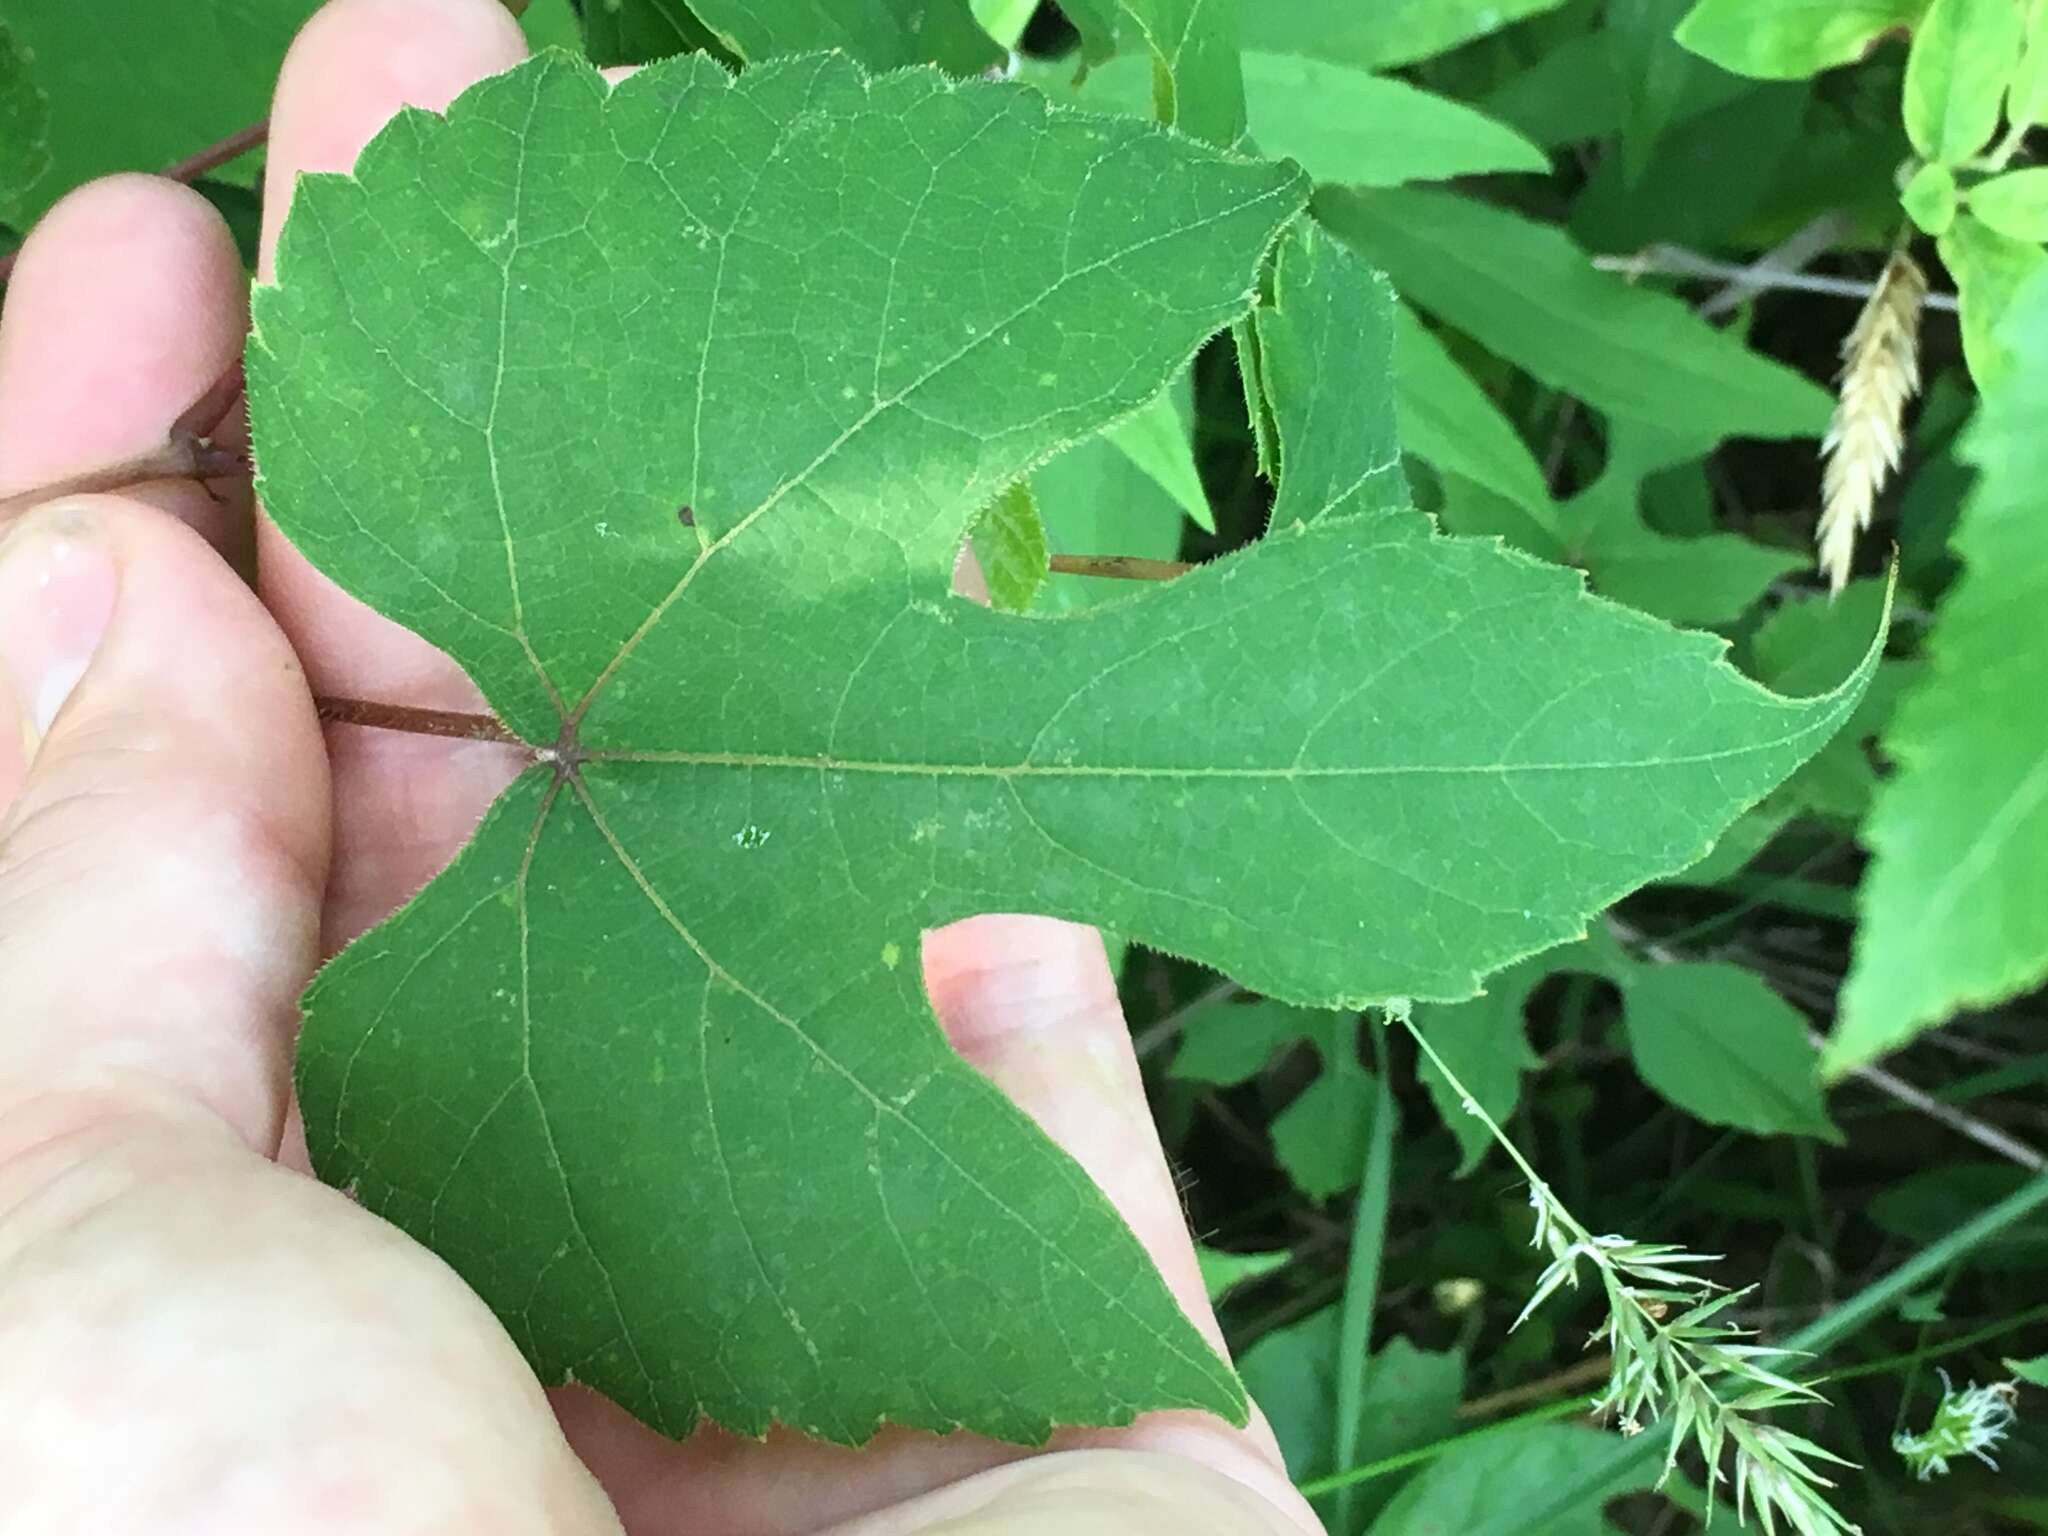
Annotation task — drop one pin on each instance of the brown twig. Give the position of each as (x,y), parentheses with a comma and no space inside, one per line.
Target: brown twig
(186,453)
(1676,261)
(1120,567)
(453,723)
(179,459)
(1593,1368)
(219,153)
(189,169)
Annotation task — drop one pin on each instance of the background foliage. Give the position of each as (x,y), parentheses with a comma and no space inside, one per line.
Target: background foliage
(1628,238)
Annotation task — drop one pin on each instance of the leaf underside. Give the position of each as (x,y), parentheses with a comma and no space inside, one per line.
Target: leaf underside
(651,1064)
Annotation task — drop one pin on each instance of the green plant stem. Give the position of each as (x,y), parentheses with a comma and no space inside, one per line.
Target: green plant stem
(1954,1346)
(1828,1330)
(1386,1466)
(1815,1339)
(1362,1276)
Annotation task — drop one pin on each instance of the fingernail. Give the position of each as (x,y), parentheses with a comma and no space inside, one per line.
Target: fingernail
(57,586)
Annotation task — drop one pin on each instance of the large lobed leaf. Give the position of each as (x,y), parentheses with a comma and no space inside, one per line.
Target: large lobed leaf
(1953,914)
(651,1063)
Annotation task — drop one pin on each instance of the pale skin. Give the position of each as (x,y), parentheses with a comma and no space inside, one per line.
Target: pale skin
(197,1336)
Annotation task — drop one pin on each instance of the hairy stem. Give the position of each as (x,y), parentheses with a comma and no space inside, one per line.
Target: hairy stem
(454,723)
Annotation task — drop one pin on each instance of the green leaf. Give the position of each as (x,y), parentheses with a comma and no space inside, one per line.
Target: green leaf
(1812,639)
(1230,1042)
(552,24)
(1326,349)
(883,34)
(1156,442)
(24,128)
(1930,198)
(1197,85)
(1447,419)
(1500,1484)
(1656,74)
(1386,33)
(635,31)
(1791,39)
(1009,546)
(2027,97)
(1224,1272)
(1989,269)
(2034,1371)
(1484,1044)
(1004,20)
(1711,579)
(1538,302)
(1964,55)
(1346,125)
(122,97)
(768,750)
(1716,1041)
(1952,915)
(1319,1139)
(2015,204)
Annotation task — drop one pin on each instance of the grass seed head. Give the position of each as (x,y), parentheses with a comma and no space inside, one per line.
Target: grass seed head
(1880,373)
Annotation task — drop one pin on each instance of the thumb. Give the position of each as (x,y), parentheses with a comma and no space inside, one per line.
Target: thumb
(163,829)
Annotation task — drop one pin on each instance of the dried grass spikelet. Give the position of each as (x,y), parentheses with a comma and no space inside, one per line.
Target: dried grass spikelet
(1880,373)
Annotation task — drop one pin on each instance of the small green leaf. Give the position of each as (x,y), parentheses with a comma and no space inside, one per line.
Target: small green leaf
(1538,302)
(1711,579)
(1346,125)
(1811,638)
(1009,546)
(2015,204)
(2034,1371)
(1716,1041)
(1004,20)
(552,24)
(1448,420)
(1156,441)
(1385,33)
(883,34)
(1319,1138)
(1229,1042)
(1952,909)
(1791,39)
(1197,85)
(24,128)
(1656,74)
(1964,55)
(1989,269)
(2027,97)
(1326,348)
(1930,197)
(1224,1272)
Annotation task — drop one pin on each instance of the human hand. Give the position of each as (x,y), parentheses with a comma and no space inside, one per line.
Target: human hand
(198,1337)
